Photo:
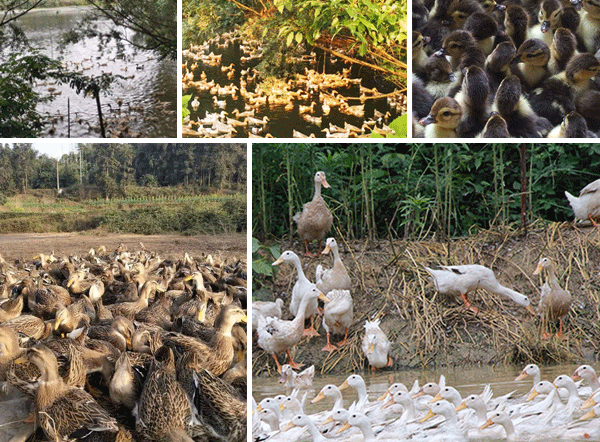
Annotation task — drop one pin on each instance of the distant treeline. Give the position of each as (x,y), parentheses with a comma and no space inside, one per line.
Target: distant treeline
(112,168)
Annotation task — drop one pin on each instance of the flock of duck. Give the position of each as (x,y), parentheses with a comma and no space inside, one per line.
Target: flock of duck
(125,345)
(221,74)
(516,69)
(564,409)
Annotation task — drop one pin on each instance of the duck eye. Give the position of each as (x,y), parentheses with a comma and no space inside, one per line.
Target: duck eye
(446,113)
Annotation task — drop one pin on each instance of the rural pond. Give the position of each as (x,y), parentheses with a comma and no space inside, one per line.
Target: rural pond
(141,104)
(467,380)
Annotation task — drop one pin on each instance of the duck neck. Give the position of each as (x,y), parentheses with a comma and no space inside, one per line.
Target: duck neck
(317,190)
(298,265)
(50,387)
(339,401)
(361,389)
(509,428)
(314,433)
(301,315)
(367,430)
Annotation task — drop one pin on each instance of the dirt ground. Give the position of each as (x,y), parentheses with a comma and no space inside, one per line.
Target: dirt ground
(429,330)
(231,247)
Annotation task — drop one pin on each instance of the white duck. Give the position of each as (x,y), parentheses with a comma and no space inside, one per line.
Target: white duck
(301,287)
(588,374)
(337,316)
(587,205)
(463,279)
(305,421)
(265,309)
(376,346)
(300,381)
(336,277)
(276,335)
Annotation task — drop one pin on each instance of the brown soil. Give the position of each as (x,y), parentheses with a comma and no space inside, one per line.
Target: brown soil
(428,330)
(230,247)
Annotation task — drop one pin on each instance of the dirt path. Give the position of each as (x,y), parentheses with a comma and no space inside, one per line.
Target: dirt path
(231,246)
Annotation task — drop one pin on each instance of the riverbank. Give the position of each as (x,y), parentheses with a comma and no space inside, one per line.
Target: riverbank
(429,330)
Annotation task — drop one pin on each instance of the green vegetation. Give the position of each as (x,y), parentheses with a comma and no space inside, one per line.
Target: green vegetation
(417,191)
(146,188)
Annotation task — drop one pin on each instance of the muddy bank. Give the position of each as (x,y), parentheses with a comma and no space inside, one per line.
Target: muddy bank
(429,330)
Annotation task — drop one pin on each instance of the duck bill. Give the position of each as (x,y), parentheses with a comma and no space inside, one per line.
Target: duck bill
(324,298)
(419,394)
(522,376)
(281,407)
(344,385)
(371,348)
(538,269)
(575,376)
(282,378)
(328,420)
(259,408)
(56,323)
(486,424)
(325,183)
(244,320)
(438,397)
(326,250)
(288,426)
(461,407)
(589,403)
(384,395)
(545,27)
(589,415)
(531,396)
(343,428)
(188,278)
(201,314)
(530,309)
(428,416)
(429,119)
(498,7)
(389,403)
(577,4)
(279,261)
(318,398)
(440,53)
(20,360)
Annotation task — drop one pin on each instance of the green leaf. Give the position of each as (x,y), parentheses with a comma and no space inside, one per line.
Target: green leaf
(290,38)
(299,37)
(275,251)
(185,99)
(261,267)
(399,126)
(255,245)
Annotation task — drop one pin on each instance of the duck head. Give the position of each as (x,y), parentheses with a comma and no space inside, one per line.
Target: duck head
(445,112)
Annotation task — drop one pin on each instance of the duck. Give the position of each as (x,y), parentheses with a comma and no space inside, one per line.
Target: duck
(573,125)
(376,346)
(11,308)
(301,287)
(498,64)
(315,219)
(532,60)
(495,127)
(484,29)
(516,22)
(217,355)
(337,316)
(588,374)
(62,411)
(587,205)
(562,49)
(557,95)
(473,100)
(266,309)
(461,280)
(305,421)
(419,55)
(463,51)
(549,19)
(589,26)
(293,380)
(443,119)
(276,335)
(587,105)
(163,409)
(43,300)
(449,429)
(335,278)
(440,77)
(515,109)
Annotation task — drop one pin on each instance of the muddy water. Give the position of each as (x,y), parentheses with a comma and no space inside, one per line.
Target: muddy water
(468,380)
(141,104)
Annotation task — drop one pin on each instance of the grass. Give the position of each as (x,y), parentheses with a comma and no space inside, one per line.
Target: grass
(187,215)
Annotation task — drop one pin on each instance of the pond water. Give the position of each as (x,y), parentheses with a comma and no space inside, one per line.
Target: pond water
(142,104)
(467,380)
(221,77)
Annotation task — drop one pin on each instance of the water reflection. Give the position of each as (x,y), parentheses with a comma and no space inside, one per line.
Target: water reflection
(142,103)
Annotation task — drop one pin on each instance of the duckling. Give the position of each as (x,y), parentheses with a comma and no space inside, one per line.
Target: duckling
(563,47)
(422,99)
(497,65)
(589,26)
(443,119)
(572,126)
(460,11)
(549,19)
(490,6)
(473,99)
(516,21)
(588,106)
(195,104)
(419,56)
(556,97)
(440,78)
(515,109)
(462,49)
(495,127)
(533,57)
(484,29)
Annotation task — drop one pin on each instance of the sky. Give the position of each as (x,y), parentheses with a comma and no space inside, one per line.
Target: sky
(54,150)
